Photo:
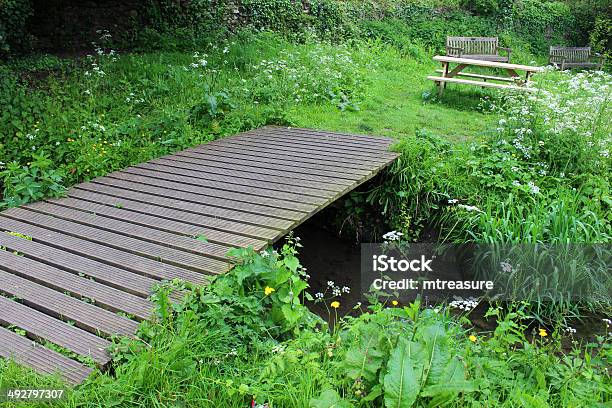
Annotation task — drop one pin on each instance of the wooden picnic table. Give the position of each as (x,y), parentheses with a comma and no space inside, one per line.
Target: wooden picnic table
(513,80)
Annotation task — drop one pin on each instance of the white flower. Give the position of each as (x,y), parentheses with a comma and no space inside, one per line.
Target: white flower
(534,189)
(469,208)
(453,201)
(392,236)
(506,267)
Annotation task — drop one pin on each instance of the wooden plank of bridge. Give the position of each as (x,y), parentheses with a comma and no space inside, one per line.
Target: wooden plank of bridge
(42,359)
(77,270)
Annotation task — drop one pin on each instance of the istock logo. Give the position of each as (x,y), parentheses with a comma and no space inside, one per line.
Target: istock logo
(384,263)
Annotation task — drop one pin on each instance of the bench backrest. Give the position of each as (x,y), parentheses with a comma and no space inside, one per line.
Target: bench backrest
(474,45)
(570,54)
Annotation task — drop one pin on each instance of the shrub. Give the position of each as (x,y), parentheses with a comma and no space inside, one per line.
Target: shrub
(13,33)
(23,184)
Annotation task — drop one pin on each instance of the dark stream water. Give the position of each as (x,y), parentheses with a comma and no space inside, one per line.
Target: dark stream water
(329,257)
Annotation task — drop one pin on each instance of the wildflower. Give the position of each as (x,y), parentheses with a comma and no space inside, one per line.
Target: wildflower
(542,332)
(335,304)
(264,253)
(506,267)
(394,302)
(469,208)
(467,304)
(319,295)
(570,330)
(453,201)
(346,289)
(472,338)
(331,284)
(268,290)
(392,236)
(534,189)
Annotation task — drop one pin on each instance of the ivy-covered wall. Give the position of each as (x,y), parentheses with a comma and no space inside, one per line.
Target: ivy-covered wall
(13,33)
(70,24)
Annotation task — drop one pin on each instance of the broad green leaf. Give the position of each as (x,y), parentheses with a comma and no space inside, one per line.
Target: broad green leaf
(364,359)
(374,393)
(292,313)
(291,262)
(452,387)
(401,383)
(329,399)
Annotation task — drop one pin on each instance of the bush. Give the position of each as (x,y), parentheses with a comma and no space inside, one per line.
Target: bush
(14,37)
(23,184)
(482,7)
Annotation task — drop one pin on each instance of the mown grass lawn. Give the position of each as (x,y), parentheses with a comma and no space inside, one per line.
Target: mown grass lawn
(398,102)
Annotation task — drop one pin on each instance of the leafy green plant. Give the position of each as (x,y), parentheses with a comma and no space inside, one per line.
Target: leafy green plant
(13,34)
(23,184)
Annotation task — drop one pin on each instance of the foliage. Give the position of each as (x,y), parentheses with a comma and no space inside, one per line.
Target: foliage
(600,37)
(23,184)
(542,177)
(14,37)
(223,344)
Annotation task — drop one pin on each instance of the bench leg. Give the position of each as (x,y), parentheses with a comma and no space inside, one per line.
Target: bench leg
(512,73)
(442,85)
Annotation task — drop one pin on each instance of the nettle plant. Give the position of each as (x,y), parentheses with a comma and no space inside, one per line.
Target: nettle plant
(23,184)
(264,293)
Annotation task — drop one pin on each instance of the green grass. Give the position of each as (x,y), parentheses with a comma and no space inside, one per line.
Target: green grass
(395,105)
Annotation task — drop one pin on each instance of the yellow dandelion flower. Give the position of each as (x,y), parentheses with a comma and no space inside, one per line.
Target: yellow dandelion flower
(542,333)
(472,338)
(394,302)
(268,290)
(335,304)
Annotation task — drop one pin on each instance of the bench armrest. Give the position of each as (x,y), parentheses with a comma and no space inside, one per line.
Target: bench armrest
(598,56)
(508,50)
(601,58)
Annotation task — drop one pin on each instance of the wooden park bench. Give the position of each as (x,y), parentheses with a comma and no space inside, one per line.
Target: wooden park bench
(480,48)
(575,57)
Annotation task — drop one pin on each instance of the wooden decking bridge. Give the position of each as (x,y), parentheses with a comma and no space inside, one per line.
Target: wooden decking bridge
(79,269)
